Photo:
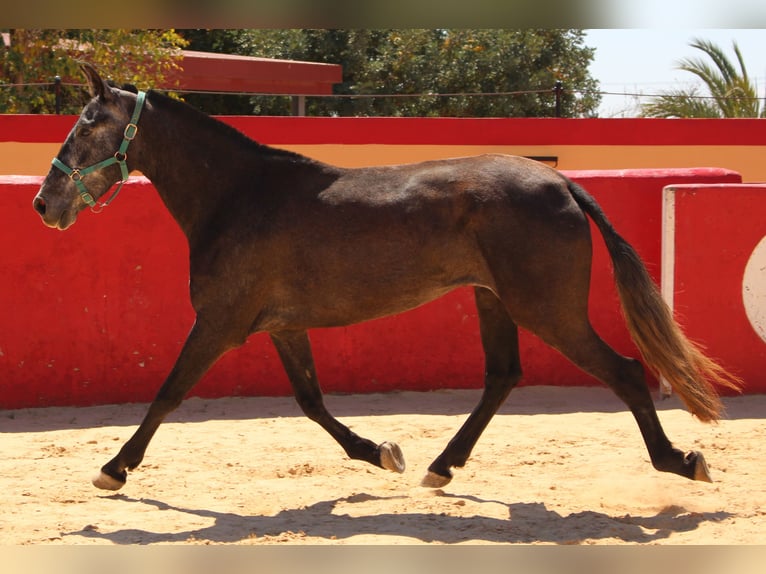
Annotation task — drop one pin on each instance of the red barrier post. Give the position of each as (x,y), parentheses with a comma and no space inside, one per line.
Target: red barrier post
(714,272)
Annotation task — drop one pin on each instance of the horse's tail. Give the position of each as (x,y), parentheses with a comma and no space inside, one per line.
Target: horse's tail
(664,347)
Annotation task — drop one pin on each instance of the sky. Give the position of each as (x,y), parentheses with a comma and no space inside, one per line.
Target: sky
(644,61)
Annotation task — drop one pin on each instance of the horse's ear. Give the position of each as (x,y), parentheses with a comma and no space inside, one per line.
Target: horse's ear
(98,88)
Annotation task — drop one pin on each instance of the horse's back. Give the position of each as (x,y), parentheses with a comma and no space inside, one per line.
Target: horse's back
(484,177)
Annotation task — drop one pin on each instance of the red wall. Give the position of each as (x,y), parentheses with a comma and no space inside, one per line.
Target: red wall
(279,130)
(98,314)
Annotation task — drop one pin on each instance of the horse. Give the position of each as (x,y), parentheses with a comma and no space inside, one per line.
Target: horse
(281,243)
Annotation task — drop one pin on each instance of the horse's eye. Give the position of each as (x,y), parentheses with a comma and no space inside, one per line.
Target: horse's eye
(85,127)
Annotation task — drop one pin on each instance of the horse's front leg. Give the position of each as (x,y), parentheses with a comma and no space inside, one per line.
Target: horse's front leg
(203,347)
(294,349)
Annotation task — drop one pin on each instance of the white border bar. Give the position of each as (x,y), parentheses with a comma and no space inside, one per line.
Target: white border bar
(668,260)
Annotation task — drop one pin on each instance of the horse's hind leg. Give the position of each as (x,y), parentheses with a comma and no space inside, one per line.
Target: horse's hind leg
(499,337)
(577,340)
(295,351)
(626,378)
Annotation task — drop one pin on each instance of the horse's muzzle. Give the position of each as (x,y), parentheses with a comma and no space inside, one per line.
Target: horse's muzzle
(53,217)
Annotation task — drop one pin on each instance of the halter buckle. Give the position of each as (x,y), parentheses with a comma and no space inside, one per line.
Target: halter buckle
(88,198)
(131,130)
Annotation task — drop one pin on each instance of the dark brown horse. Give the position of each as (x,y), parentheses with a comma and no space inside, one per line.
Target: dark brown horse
(282,243)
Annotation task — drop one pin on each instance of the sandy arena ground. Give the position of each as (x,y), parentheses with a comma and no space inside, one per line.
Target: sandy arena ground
(556,466)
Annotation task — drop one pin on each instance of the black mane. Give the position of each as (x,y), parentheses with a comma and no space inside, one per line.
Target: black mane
(198,117)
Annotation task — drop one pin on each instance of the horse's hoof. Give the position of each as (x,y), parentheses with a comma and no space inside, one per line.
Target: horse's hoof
(106,482)
(701,471)
(391,457)
(433,480)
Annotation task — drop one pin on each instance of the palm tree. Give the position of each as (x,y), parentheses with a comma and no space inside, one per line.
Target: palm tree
(731,93)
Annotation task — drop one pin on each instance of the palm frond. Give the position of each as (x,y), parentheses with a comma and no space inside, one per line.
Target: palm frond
(681,104)
(730,91)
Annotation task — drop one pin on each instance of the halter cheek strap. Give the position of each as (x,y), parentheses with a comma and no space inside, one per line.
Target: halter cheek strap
(120,157)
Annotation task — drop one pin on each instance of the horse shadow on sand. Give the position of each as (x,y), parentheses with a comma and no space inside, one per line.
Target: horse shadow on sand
(526,523)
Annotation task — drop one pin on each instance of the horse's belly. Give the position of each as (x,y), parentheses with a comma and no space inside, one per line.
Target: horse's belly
(314,308)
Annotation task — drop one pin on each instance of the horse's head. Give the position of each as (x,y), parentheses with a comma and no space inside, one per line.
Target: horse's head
(93,157)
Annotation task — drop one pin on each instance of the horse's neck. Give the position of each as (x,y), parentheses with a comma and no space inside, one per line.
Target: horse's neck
(188,182)
(196,167)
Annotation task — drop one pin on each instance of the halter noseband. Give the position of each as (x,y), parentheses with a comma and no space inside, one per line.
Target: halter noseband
(120,157)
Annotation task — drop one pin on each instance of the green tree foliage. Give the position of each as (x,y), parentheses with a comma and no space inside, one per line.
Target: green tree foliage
(35,57)
(417,66)
(730,92)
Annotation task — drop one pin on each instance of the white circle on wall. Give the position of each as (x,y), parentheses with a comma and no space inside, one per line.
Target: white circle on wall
(754,289)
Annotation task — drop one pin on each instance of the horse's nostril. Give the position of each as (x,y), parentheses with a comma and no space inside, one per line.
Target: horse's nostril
(39,205)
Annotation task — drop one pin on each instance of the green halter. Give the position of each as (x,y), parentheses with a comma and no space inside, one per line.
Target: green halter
(120,157)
